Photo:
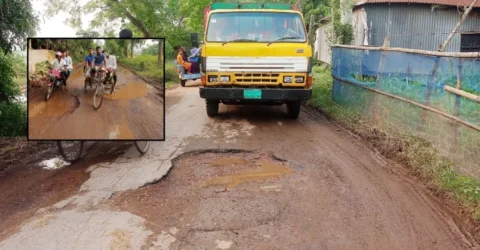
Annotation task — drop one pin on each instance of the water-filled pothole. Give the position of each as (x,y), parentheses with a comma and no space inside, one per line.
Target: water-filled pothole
(230,169)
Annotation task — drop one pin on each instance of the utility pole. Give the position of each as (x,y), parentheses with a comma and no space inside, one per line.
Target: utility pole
(464,16)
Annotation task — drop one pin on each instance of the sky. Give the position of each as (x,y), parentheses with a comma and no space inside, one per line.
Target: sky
(55,26)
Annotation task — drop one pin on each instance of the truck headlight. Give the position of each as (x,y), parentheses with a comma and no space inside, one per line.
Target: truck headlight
(225,78)
(299,79)
(287,79)
(213,78)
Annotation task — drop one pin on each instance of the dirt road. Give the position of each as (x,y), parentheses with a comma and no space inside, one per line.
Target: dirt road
(134,111)
(249,179)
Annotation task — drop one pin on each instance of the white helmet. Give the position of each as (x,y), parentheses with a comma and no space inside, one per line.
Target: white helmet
(58,53)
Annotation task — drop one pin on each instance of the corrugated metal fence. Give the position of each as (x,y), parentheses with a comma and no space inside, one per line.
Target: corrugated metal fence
(417,26)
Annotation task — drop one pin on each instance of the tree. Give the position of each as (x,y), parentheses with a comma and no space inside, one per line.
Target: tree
(132,45)
(177,18)
(85,33)
(151,50)
(160,51)
(17,22)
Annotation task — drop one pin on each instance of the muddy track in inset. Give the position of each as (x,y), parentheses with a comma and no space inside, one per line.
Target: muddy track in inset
(134,111)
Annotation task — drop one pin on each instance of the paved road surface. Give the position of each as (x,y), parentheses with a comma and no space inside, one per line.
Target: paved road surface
(249,179)
(134,111)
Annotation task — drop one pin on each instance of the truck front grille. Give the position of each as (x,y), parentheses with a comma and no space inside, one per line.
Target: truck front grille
(256,78)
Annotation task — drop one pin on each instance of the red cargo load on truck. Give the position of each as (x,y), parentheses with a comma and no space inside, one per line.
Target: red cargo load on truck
(205,16)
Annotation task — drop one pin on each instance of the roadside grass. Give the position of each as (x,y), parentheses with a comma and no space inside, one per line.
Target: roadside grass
(460,191)
(171,84)
(145,66)
(322,96)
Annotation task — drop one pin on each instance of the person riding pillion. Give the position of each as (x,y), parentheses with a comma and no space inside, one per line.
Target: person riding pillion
(69,62)
(111,62)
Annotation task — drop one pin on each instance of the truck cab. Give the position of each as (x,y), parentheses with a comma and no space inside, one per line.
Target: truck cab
(255,54)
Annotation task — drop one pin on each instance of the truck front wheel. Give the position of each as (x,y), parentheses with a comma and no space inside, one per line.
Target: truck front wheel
(212,108)
(293,109)
(183,82)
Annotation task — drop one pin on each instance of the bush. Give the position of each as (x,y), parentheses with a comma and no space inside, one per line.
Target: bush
(14,119)
(171,73)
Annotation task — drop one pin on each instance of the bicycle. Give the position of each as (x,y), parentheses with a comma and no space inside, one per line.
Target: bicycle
(71,151)
(99,88)
(97,82)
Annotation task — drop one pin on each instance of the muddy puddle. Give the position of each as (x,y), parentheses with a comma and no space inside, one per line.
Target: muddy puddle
(120,131)
(129,91)
(257,170)
(59,104)
(230,170)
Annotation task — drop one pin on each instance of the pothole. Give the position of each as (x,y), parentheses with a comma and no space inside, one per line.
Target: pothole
(75,104)
(213,191)
(230,168)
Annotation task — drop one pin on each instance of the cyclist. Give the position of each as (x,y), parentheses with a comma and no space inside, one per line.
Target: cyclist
(98,61)
(88,62)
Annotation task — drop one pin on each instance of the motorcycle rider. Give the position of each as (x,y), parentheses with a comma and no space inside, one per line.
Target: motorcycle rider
(58,64)
(111,62)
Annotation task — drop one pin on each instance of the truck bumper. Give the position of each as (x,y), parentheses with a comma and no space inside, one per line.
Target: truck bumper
(237,94)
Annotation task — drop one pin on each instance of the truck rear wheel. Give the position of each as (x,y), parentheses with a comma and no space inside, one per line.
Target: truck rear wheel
(293,109)
(183,82)
(212,108)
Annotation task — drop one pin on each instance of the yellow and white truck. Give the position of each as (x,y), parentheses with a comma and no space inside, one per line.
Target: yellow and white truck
(255,54)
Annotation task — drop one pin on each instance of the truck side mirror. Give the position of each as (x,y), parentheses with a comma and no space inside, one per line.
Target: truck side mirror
(194,37)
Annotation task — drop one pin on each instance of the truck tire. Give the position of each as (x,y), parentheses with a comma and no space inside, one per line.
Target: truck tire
(293,109)
(183,82)
(212,108)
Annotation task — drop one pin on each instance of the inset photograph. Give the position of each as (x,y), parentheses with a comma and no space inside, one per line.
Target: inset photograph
(96,89)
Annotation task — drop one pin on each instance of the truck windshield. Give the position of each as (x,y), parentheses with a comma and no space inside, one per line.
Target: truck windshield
(255,27)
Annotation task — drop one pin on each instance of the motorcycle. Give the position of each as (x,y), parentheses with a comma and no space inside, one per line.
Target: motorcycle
(55,79)
(184,75)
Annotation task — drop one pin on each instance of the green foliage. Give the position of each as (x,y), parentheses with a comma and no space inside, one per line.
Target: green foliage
(151,50)
(14,119)
(322,95)
(8,88)
(169,51)
(343,33)
(17,22)
(19,63)
(88,33)
(365,78)
(146,66)
(41,68)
